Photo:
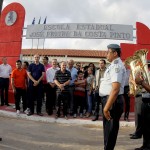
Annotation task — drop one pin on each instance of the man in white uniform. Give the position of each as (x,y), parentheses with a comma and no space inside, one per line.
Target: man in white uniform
(111,90)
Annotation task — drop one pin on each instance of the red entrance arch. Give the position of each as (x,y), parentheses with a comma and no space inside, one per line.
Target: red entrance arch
(11,36)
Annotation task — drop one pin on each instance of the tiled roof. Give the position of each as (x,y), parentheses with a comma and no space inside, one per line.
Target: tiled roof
(68,52)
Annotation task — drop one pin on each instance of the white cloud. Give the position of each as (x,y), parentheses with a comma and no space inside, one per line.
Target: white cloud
(83,11)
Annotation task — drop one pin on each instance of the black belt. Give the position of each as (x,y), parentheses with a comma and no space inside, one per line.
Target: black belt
(72,85)
(126,86)
(104,96)
(108,95)
(146,100)
(138,95)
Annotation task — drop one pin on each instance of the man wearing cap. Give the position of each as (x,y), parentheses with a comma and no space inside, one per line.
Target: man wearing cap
(111,90)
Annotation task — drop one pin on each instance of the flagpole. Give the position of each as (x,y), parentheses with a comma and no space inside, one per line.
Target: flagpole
(44,38)
(32,44)
(38,44)
(43,43)
(38,39)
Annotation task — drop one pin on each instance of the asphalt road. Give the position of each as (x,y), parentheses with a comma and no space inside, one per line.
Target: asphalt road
(21,134)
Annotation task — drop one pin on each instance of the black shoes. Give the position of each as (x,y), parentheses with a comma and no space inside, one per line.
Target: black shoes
(57,115)
(141,148)
(94,119)
(0,139)
(7,104)
(132,134)
(29,114)
(135,137)
(39,114)
(126,119)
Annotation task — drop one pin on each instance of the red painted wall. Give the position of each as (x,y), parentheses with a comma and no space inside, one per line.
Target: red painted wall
(142,42)
(11,37)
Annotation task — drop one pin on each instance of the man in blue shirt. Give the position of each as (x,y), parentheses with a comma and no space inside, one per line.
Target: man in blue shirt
(35,72)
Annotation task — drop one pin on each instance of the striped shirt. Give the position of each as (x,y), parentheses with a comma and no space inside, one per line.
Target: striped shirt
(62,78)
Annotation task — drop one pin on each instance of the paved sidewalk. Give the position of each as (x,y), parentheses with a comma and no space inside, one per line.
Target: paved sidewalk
(9,111)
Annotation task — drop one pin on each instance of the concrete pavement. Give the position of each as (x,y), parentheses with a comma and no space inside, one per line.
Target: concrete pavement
(10,112)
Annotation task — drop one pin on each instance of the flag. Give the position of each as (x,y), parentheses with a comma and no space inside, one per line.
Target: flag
(39,21)
(45,20)
(33,22)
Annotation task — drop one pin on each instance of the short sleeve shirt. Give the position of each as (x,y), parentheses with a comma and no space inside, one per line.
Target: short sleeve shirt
(19,77)
(116,72)
(62,78)
(36,70)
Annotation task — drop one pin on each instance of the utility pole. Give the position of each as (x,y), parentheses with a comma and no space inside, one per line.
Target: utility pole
(1,5)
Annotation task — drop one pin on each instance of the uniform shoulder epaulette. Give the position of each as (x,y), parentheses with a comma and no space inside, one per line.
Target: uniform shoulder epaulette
(116,62)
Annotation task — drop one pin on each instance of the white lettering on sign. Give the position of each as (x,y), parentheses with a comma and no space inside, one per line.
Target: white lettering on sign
(80,30)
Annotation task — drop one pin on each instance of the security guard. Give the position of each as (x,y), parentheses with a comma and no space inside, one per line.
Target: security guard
(111,90)
(145,114)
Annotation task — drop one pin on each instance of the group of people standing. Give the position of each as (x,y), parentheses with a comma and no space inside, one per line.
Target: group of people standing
(66,87)
(61,85)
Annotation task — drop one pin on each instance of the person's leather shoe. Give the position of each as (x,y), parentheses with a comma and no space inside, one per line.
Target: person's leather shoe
(131,134)
(135,137)
(140,148)
(39,114)
(29,114)
(7,104)
(94,119)
(0,139)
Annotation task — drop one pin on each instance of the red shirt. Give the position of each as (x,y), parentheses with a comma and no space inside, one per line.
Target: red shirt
(80,88)
(19,77)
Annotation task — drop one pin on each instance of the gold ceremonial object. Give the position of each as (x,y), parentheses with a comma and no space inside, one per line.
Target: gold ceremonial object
(138,65)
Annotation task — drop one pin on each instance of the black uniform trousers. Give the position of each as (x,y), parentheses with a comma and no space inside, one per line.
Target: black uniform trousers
(97,100)
(50,98)
(4,86)
(71,99)
(146,122)
(138,115)
(127,102)
(20,93)
(62,98)
(35,93)
(111,127)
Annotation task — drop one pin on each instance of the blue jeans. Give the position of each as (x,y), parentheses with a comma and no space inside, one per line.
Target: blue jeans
(89,102)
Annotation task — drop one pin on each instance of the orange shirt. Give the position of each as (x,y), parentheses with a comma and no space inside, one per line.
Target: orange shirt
(19,77)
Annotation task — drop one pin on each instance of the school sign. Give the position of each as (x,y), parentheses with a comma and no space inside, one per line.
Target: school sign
(80,30)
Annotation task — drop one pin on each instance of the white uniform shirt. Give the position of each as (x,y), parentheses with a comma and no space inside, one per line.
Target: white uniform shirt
(116,72)
(5,71)
(127,77)
(50,74)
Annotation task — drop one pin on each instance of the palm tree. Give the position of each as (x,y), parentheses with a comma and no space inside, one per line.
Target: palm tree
(1,5)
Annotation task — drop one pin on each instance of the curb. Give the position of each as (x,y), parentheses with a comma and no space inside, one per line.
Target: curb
(61,120)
